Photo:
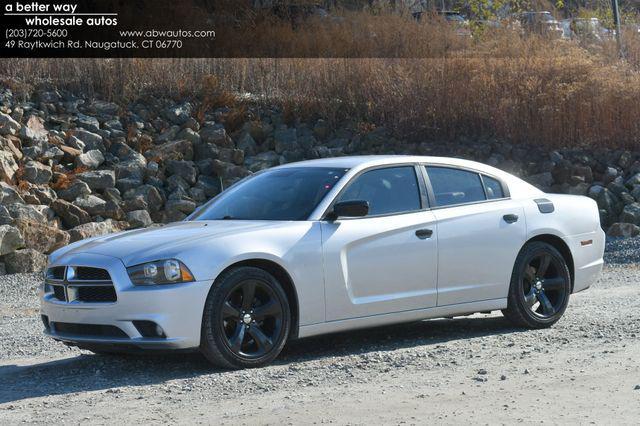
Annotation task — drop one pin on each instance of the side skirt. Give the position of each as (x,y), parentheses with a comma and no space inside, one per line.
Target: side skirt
(400,317)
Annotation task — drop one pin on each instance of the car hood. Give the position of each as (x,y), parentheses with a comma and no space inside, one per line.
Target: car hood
(142,245)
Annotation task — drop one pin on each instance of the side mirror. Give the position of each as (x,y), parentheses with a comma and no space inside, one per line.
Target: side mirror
(352,208)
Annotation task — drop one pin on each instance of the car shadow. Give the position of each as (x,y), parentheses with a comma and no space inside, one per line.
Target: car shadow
(88,372)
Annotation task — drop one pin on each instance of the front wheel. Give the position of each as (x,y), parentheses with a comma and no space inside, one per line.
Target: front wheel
(540,287)
(246,319)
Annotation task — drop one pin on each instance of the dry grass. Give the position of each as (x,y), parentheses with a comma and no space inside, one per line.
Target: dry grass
(523,90)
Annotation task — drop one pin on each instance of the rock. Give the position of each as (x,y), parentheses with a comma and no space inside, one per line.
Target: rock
(174,150)
(8,126)
(210,185)
(5,217)
(184,169)
(87,122)
(179,114)
(285,140)
(25,261)
(541,180)
(77,189)
(25,211)
(8,167)
(3,269)
(96,229)
(216,134)
(189,135)
(91,140)
(91,204)
(625,230)
(127,184)
(98,179)
(76,143)
(41,237)
(52,153)
(9,194)
(149,194)
(631,214)
(37,173)
(262,161)
(104,108)
(633,181)
(71,215)
(183,206)
(45,195)
(34,132)
(90,160)
(247,144)
(10,239)
(139,219)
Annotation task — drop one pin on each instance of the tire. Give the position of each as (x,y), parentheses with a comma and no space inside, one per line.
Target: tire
(241,328)
(540,287)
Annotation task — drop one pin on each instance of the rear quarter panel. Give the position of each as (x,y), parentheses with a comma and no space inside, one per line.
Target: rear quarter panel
(575,220)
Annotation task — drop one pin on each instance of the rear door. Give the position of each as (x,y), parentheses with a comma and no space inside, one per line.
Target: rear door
(480,232)
(387,261)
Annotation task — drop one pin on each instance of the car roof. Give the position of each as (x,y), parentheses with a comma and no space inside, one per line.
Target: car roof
(365,161)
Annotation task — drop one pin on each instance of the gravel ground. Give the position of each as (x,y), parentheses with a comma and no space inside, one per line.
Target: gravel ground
(584,369)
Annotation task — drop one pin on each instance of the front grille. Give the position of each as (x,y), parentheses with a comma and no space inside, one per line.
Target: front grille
(58,292)
(88,329)
(104,293)
(81,284)
(56,273)
(84,273)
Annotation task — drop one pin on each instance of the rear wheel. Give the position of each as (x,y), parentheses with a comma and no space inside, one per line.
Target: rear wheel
(246,319)
(540,286)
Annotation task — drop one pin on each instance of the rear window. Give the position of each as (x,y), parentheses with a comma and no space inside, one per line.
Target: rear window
(455,186)
(492,187)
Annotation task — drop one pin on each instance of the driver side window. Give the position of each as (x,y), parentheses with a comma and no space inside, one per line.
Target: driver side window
(388,190)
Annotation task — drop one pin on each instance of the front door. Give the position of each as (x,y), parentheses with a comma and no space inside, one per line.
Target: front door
(384,262)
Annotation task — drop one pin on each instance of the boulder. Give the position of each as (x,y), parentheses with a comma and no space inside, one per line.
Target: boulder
(185,169)
(76,189)
(5,217)
(34,132)
(216,134)
(179,114)
(182,205)
(37,173)
(149,194)
(25,261)
(541,180)
(87,122)
(96,229)
(631,214)
(286,139)
(8,195)
(90,159)
(139,219)
(174,150)
(76,144)
(10,239)
(90,140)
(25,211)
(8,126)
(624,230)
(44,194)
(41,237)
(91,204)
(247,144)
(71,215)
(8,167)
(104,107)
(98,179)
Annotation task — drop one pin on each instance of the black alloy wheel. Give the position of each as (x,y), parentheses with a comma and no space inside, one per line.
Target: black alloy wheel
(246,319)
(540,286)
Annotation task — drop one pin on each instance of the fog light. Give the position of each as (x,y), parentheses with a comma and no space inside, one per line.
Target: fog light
(149,329)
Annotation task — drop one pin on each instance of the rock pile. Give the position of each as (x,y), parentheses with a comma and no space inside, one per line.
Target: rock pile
(73,168)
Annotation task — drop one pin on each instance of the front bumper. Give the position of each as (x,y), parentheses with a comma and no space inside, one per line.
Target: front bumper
(176,308)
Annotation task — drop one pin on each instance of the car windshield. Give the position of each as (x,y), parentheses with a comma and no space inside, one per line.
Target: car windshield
(290,193)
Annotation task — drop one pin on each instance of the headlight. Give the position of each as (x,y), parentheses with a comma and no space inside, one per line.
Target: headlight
(168,271)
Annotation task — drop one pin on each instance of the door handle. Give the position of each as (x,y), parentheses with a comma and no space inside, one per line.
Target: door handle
(423,234)
(510,218)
